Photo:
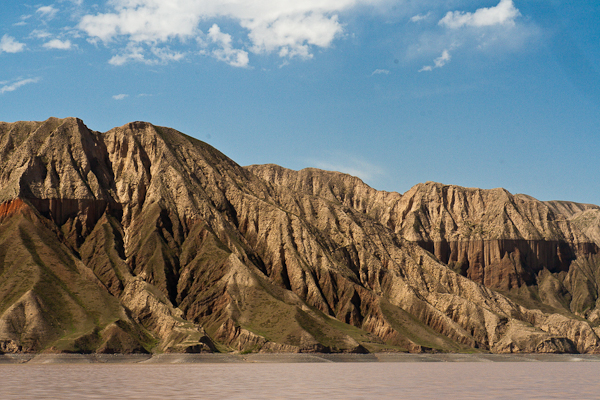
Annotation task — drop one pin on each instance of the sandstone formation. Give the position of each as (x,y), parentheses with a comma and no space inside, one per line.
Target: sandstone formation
(142,239)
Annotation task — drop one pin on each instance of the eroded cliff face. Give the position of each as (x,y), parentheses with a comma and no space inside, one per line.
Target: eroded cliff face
(506,242)
(180,249)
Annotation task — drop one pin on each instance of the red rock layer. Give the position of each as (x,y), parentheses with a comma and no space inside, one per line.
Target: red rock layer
(11,207)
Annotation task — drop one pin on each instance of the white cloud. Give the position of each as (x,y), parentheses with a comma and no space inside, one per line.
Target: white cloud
(120,96)
(420,17)
(132,53)
(40,34)
(504,13)
(48,12)
(354,167)
(490,31)
(136,53)
(225,52)
(438,62)
(58,44)
(380,72)
(15,85)
(164,55)
(347,163)
(8,44)
(293,35)
(289,28)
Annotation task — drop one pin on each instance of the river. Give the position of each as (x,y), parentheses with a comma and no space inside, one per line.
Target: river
(298,377)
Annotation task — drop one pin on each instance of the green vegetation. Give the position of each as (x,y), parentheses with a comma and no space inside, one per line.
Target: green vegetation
(417,332)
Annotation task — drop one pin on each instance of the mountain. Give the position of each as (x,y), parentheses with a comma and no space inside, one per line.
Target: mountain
(143,239)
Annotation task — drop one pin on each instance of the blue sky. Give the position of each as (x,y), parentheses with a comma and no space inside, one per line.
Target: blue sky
(500,93)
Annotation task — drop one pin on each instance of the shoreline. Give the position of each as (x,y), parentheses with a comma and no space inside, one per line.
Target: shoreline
(211,358)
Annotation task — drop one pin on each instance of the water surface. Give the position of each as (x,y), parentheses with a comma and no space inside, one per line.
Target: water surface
(260,378)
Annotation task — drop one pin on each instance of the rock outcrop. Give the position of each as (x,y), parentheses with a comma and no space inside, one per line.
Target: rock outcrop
(144,239)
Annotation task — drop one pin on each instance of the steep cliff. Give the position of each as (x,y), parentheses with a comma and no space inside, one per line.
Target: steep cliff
(148,240)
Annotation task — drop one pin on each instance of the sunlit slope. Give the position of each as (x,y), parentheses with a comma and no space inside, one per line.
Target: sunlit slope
(158,242)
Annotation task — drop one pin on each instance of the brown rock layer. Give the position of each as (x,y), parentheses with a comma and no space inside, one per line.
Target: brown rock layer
(506,264)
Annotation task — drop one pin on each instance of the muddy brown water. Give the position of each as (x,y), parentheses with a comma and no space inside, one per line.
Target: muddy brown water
(300,376)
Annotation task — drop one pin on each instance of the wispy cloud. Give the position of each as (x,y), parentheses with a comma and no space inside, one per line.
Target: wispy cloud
(165,54)
(120,96)
(504,13)
(40,34)
(58,44)
(438,62)
(381,72)
(9,44)
(136,53)
(348,164)
(47,12)
(11,87)
(132,53)
(420,17)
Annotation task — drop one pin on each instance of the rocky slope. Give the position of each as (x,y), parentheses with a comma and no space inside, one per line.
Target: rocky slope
(144,239)
(506,242)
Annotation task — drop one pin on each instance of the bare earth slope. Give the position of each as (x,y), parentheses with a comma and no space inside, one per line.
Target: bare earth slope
(144,239)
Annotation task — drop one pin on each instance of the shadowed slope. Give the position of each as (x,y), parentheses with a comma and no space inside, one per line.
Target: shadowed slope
(49,300)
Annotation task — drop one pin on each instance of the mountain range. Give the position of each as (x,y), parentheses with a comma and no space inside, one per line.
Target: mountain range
(142,239)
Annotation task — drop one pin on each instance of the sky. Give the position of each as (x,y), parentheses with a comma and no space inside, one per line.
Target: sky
(476,93)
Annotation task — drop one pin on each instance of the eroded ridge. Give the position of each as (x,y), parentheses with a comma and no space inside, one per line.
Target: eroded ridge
(142,239)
